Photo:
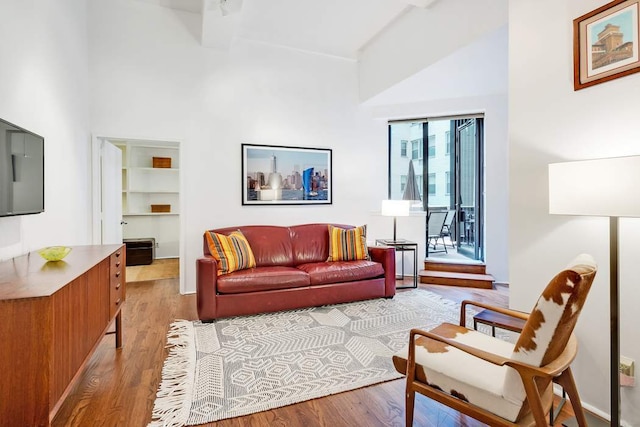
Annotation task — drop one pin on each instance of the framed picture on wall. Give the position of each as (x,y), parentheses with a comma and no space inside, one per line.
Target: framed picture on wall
(279,175)
(605,43)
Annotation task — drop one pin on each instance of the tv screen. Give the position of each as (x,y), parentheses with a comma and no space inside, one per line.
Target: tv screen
(21,171)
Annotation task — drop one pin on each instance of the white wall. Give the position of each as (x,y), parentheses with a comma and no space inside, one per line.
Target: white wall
(471,80)
(44,88)
(422,37)
(549,122)
(151,80)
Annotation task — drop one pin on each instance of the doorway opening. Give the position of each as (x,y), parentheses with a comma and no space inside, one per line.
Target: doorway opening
(137,202)
(447,157)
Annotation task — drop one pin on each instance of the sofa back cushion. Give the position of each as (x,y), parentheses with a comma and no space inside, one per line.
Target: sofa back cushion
(271,245)
(311,242)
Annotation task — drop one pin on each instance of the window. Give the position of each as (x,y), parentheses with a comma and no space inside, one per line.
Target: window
(405,145)
(432,145)
(416,149)
(447,189)
(432,183)
(447,136)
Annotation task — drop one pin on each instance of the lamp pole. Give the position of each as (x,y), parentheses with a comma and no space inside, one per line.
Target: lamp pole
(394,229)
(614,310)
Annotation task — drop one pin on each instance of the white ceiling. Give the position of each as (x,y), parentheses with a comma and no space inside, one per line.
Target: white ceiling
(332,27)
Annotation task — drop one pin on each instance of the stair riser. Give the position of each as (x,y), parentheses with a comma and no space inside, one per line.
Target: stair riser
(483,284)
(455,267)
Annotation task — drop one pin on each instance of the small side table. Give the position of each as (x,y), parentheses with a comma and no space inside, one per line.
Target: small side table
(403,246)
(498,320)
(502,321)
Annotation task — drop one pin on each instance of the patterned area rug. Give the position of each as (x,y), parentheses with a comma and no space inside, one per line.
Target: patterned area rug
(242,365)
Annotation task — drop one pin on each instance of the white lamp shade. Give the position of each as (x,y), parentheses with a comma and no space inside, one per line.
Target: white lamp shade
(601,187)
(396,207)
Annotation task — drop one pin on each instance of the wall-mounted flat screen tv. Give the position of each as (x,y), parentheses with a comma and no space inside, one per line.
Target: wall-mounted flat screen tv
(21,171)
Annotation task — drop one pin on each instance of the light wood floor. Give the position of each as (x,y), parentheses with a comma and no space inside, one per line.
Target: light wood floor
(165,268)
(118,387)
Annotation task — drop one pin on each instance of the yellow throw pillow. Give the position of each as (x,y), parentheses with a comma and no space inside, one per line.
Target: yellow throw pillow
(347,244)
(232,252)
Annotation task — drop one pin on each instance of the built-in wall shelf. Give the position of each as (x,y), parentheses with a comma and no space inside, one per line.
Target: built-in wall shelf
(150,213)
(144,185)
(155,170)
(150,192)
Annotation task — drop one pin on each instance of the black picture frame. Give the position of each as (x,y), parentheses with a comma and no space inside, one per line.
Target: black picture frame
(275,175)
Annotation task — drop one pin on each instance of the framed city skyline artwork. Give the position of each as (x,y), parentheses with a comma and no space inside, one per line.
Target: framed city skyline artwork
(605,43)
(280,175)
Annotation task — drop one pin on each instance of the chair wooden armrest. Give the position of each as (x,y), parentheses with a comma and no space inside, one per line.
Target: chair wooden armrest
(502,310)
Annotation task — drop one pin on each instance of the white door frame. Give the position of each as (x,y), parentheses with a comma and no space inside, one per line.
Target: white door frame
(96,192)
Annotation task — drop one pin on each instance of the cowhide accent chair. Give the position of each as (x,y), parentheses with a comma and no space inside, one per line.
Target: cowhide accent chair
(494,381)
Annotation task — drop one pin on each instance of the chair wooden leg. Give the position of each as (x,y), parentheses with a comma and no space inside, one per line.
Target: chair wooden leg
(535,403)
(411,395)
(568,384)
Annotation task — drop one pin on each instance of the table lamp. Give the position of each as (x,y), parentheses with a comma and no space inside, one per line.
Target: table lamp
(601,187)
(396,208)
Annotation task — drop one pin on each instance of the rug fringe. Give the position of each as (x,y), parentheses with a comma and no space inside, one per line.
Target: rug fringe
(173,400)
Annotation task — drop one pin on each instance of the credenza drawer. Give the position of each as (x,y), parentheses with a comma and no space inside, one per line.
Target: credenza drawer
(118,281)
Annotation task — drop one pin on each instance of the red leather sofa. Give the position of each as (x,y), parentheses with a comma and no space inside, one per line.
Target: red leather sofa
(291,272)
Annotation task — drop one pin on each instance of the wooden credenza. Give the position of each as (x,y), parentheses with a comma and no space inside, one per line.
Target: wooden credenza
(53,315)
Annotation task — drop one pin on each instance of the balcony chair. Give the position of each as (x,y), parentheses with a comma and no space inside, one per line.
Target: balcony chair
(494,381)
(446,227)
(436,221)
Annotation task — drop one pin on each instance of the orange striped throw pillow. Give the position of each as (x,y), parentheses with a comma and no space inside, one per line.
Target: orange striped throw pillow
(232,252)
(348,244)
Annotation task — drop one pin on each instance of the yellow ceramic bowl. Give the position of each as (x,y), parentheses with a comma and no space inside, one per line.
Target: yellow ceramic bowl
(54,253)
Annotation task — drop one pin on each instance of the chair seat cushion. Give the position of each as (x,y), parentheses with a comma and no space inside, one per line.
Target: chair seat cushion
(461,374)
(321,273)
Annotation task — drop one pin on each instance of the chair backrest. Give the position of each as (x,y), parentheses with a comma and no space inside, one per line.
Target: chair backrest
(436,221)
(451,214)
(551,322)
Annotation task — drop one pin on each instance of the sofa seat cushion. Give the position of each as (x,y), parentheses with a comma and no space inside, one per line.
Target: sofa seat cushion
(322,273)
(461,374)
(262,279)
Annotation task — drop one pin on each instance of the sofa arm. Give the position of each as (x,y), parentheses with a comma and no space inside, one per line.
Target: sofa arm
(386,255)
(206,282)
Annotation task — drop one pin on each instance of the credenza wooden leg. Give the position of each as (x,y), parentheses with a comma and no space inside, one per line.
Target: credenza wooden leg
(119,330)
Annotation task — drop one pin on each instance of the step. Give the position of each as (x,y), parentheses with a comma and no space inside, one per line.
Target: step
(431,264)
(451,278)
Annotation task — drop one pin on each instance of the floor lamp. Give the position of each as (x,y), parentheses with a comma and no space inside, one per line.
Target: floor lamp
(601,187)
